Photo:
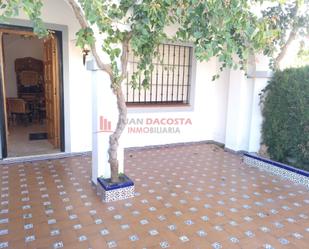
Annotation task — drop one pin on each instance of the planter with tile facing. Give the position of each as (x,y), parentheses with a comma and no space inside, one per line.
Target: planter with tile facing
(115,191)
(296,175)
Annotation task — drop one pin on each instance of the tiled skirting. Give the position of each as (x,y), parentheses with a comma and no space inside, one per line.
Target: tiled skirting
(285,171)
(115,194)
(34,158)
(116,191)
(173,145)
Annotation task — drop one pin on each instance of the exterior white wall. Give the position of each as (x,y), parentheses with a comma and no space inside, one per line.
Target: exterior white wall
(260,78)
(220,106)
(14,47)
(219,110)
(239,111)
(203,115)
(207,112)
(244,118)
(256,117)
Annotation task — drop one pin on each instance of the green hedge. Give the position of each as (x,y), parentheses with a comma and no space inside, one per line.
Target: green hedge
(285,128)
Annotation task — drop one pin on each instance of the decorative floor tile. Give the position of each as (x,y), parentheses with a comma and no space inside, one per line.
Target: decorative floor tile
(4,232)
(104,232)
(153,232)
(172,227)
(111,244)
(268,246)
(183,195)
(164,244)
(77,226)
(54,232)
(216,245)
(234,240)
(4,221)
(133,238)
(125,226)
(184,238)
(98,221)
(283,241)
(29,238)
(58,244)
(201,233)
(144,222)
(4,244)
(28,226)
(82,238)
(297,236)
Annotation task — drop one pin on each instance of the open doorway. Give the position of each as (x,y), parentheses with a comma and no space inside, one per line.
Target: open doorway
(31,93)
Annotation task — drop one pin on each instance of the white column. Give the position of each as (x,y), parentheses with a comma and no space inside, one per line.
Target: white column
(239,111)
(104,116)
(261,75)
(260,82)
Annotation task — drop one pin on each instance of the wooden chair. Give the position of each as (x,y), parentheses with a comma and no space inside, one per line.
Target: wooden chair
(17,108)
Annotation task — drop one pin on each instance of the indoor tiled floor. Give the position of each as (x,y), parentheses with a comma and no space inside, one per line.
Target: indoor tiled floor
(20,145)
(194,196)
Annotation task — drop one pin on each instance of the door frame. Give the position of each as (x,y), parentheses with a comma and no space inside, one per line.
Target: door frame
(20,29)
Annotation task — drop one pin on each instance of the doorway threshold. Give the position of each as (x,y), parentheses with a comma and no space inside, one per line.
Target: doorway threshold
(33,158)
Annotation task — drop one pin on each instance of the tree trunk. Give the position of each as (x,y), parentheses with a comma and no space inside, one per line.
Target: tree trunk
(114,138)
(121,103)
(285,47)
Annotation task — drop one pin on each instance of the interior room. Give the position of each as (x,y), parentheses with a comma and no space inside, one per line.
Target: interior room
(23,57)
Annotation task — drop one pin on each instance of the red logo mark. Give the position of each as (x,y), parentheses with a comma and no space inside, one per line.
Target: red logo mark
(105,125)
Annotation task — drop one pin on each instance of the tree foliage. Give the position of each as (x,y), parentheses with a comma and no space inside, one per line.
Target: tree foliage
(215,28)
(32,8)
(292,19)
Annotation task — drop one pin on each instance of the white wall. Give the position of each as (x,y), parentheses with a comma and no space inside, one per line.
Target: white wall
(244,118)
(226,110)
(205,115)
(16,46)
(209,109)
(207,112)
(239,111)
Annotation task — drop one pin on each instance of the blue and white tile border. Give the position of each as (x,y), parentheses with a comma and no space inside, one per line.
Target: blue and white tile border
(288,172)
(117,192)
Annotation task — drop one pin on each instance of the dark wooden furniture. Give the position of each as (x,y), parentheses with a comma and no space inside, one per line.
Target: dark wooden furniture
(30,75)
(30,84)
(18,109)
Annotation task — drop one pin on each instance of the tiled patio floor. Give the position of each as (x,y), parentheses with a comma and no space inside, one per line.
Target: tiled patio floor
(195,196)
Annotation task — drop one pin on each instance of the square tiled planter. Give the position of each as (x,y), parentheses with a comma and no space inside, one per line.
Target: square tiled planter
(115,191)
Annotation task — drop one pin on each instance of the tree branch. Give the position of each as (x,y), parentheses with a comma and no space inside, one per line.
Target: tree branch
(284,48)
(124,57)
(290,39)
(84,24)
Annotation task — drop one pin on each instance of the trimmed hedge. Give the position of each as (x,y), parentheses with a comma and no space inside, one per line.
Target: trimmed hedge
(285,129)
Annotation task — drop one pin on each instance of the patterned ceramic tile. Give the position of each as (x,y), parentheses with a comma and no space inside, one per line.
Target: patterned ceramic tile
(185,197)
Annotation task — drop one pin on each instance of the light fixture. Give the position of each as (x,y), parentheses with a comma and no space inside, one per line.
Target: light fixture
(85,52)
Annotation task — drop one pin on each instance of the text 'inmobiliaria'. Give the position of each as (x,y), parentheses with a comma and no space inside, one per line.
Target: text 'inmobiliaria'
(157,125)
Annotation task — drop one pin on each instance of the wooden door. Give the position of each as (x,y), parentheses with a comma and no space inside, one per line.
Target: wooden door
(51,80)
(3,85)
